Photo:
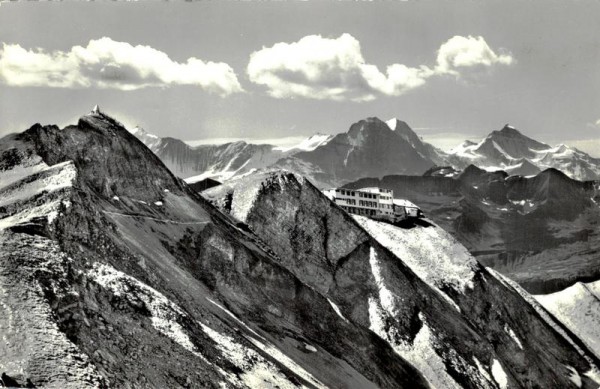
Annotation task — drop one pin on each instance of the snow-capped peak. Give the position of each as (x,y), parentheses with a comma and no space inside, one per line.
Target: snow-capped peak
(151,141)
(308,144)
(141,133)
(465,149)
(392,123)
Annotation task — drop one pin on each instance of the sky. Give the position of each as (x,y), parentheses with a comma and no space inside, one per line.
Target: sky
(202,70)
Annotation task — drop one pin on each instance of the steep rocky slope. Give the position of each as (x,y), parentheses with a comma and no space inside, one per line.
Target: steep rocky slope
(113,273)
(541,231)
(417,288)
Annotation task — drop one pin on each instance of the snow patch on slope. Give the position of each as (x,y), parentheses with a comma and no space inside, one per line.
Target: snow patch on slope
(308,144)
(482,370)
(594,372)
(578,308)
(435,256)
(257,371)
(420,353)
(265,369)
(47,179)
(164,313)
(337,310)
(27,167)
(512,334)
(499,375)
(574,376)
(392,123)
(28,183)
(386,297)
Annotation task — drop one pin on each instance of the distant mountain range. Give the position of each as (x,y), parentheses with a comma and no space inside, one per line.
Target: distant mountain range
(221,161)
(517,154)
(370,148)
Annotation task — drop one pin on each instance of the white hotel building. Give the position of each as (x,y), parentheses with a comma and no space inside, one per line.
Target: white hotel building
(366,201)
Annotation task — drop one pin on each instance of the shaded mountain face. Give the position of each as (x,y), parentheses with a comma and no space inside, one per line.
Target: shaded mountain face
(113,272)
(369,148)
(510,150)
(423,148)
(416,287)
(540,231)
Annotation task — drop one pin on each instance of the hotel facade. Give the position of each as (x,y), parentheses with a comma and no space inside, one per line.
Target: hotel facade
(371,201)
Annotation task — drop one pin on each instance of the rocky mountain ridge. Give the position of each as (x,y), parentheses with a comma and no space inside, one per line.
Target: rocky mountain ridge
(371,148)
(114,273)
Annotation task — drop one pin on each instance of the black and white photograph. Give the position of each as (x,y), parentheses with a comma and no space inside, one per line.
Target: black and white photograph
(300,194)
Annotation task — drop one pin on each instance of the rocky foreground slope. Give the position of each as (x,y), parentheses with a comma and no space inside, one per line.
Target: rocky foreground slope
(114,273)
(541,231)
(416,287)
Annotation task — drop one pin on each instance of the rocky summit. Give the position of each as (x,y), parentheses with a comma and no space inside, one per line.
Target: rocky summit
(115,273)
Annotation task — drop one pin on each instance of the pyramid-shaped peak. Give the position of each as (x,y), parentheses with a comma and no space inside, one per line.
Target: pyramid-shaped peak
(95,110)
(369,124)
(509,130)
(509,133)
(396,124)
(392,123)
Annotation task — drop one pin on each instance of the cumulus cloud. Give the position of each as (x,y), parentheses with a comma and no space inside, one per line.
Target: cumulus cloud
(334,68)
(106,63)
(467,52)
